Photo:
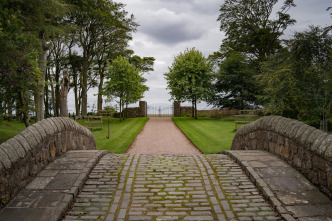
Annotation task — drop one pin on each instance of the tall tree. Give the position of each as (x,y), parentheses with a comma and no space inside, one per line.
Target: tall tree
(41,17)
(297,82)
(189,78)
(124,82)
(250,27)
(18,59)
(235,84)
(112,44)
(93,19)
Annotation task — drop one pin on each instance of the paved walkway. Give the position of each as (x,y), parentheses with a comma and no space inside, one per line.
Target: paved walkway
(52,192)
(291,194)
(169,187)
(237,185)
(162,136)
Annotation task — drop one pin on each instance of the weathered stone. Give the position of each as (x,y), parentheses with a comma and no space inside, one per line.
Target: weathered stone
(55,128)
(30,138)
(38,127)
(61,127)
(35,133)
(11,153)
(15,145)
(4,158)
(318,142)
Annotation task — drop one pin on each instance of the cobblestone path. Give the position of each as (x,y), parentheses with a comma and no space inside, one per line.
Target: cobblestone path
(169,187)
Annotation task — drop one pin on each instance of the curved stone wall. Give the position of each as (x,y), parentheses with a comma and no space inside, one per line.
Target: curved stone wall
(26,154)
(306,148)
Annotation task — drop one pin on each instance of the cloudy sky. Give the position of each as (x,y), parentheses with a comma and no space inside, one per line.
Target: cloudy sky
(168,27)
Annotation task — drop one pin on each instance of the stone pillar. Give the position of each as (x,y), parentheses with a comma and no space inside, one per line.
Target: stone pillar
(143,108)
(177,109)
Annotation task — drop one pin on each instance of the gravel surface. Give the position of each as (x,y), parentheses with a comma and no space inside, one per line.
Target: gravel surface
(162,136)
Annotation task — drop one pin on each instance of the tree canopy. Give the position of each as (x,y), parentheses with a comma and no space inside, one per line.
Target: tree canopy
(298,81)
(251,28)
(235,84)
(189,78)
(124,82)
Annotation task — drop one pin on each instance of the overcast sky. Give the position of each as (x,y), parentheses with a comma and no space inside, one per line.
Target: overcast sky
(168,27)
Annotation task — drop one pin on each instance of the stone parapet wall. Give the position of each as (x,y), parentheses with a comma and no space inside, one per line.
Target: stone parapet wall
(176,109)
(306,148)
(131,112)
(186,110)
(25,155)
(143,109)
(134,112)
(179,110)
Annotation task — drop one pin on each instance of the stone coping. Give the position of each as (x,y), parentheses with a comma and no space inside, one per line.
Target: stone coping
(292,196)
(53,191)
(307,136)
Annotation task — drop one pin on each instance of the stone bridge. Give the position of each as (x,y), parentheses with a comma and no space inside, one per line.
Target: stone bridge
(278,169)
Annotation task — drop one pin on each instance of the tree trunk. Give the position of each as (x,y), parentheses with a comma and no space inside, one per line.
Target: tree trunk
(195,108)
(39,90)
(46,101)
(18,113)
(192,109)
(24,108)
(10,109)
(52,93)
(120,110)
(100,90)
(84,86)
(77,103)
(57,91)
(1,110)
(63,95)
(123,116)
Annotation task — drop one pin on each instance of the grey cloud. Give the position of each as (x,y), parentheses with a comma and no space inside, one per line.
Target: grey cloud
(169,28)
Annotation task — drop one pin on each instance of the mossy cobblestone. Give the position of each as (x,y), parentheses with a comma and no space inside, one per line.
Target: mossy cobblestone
(169,187)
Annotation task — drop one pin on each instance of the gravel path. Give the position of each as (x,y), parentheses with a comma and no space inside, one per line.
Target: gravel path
(162,136)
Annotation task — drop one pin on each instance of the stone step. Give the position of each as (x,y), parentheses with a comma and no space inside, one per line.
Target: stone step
(54,189)
(292,195)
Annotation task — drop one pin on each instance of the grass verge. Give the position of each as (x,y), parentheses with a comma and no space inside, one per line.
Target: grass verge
(208,134)
(122,134)
(10,129)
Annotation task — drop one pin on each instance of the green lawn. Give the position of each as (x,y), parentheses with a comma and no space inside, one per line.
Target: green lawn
(10,129)
(122,134)
(208,134)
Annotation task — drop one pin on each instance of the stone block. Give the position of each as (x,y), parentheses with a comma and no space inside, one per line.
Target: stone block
(29,137)
(55,128)
(319,163)
(15,145)
(316,145)
(329,181)
(284,152)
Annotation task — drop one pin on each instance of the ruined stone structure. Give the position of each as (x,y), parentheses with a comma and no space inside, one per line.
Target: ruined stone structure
(25,155)
(177,109)
(306,148)
(133,112)
(181,110)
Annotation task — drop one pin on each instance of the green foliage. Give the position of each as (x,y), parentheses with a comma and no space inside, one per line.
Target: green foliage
(189,77)
(250,28)
(144,64)
(10,129)
(208,134)
(235,85)
(297,81)
(122,134)
(124,82)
